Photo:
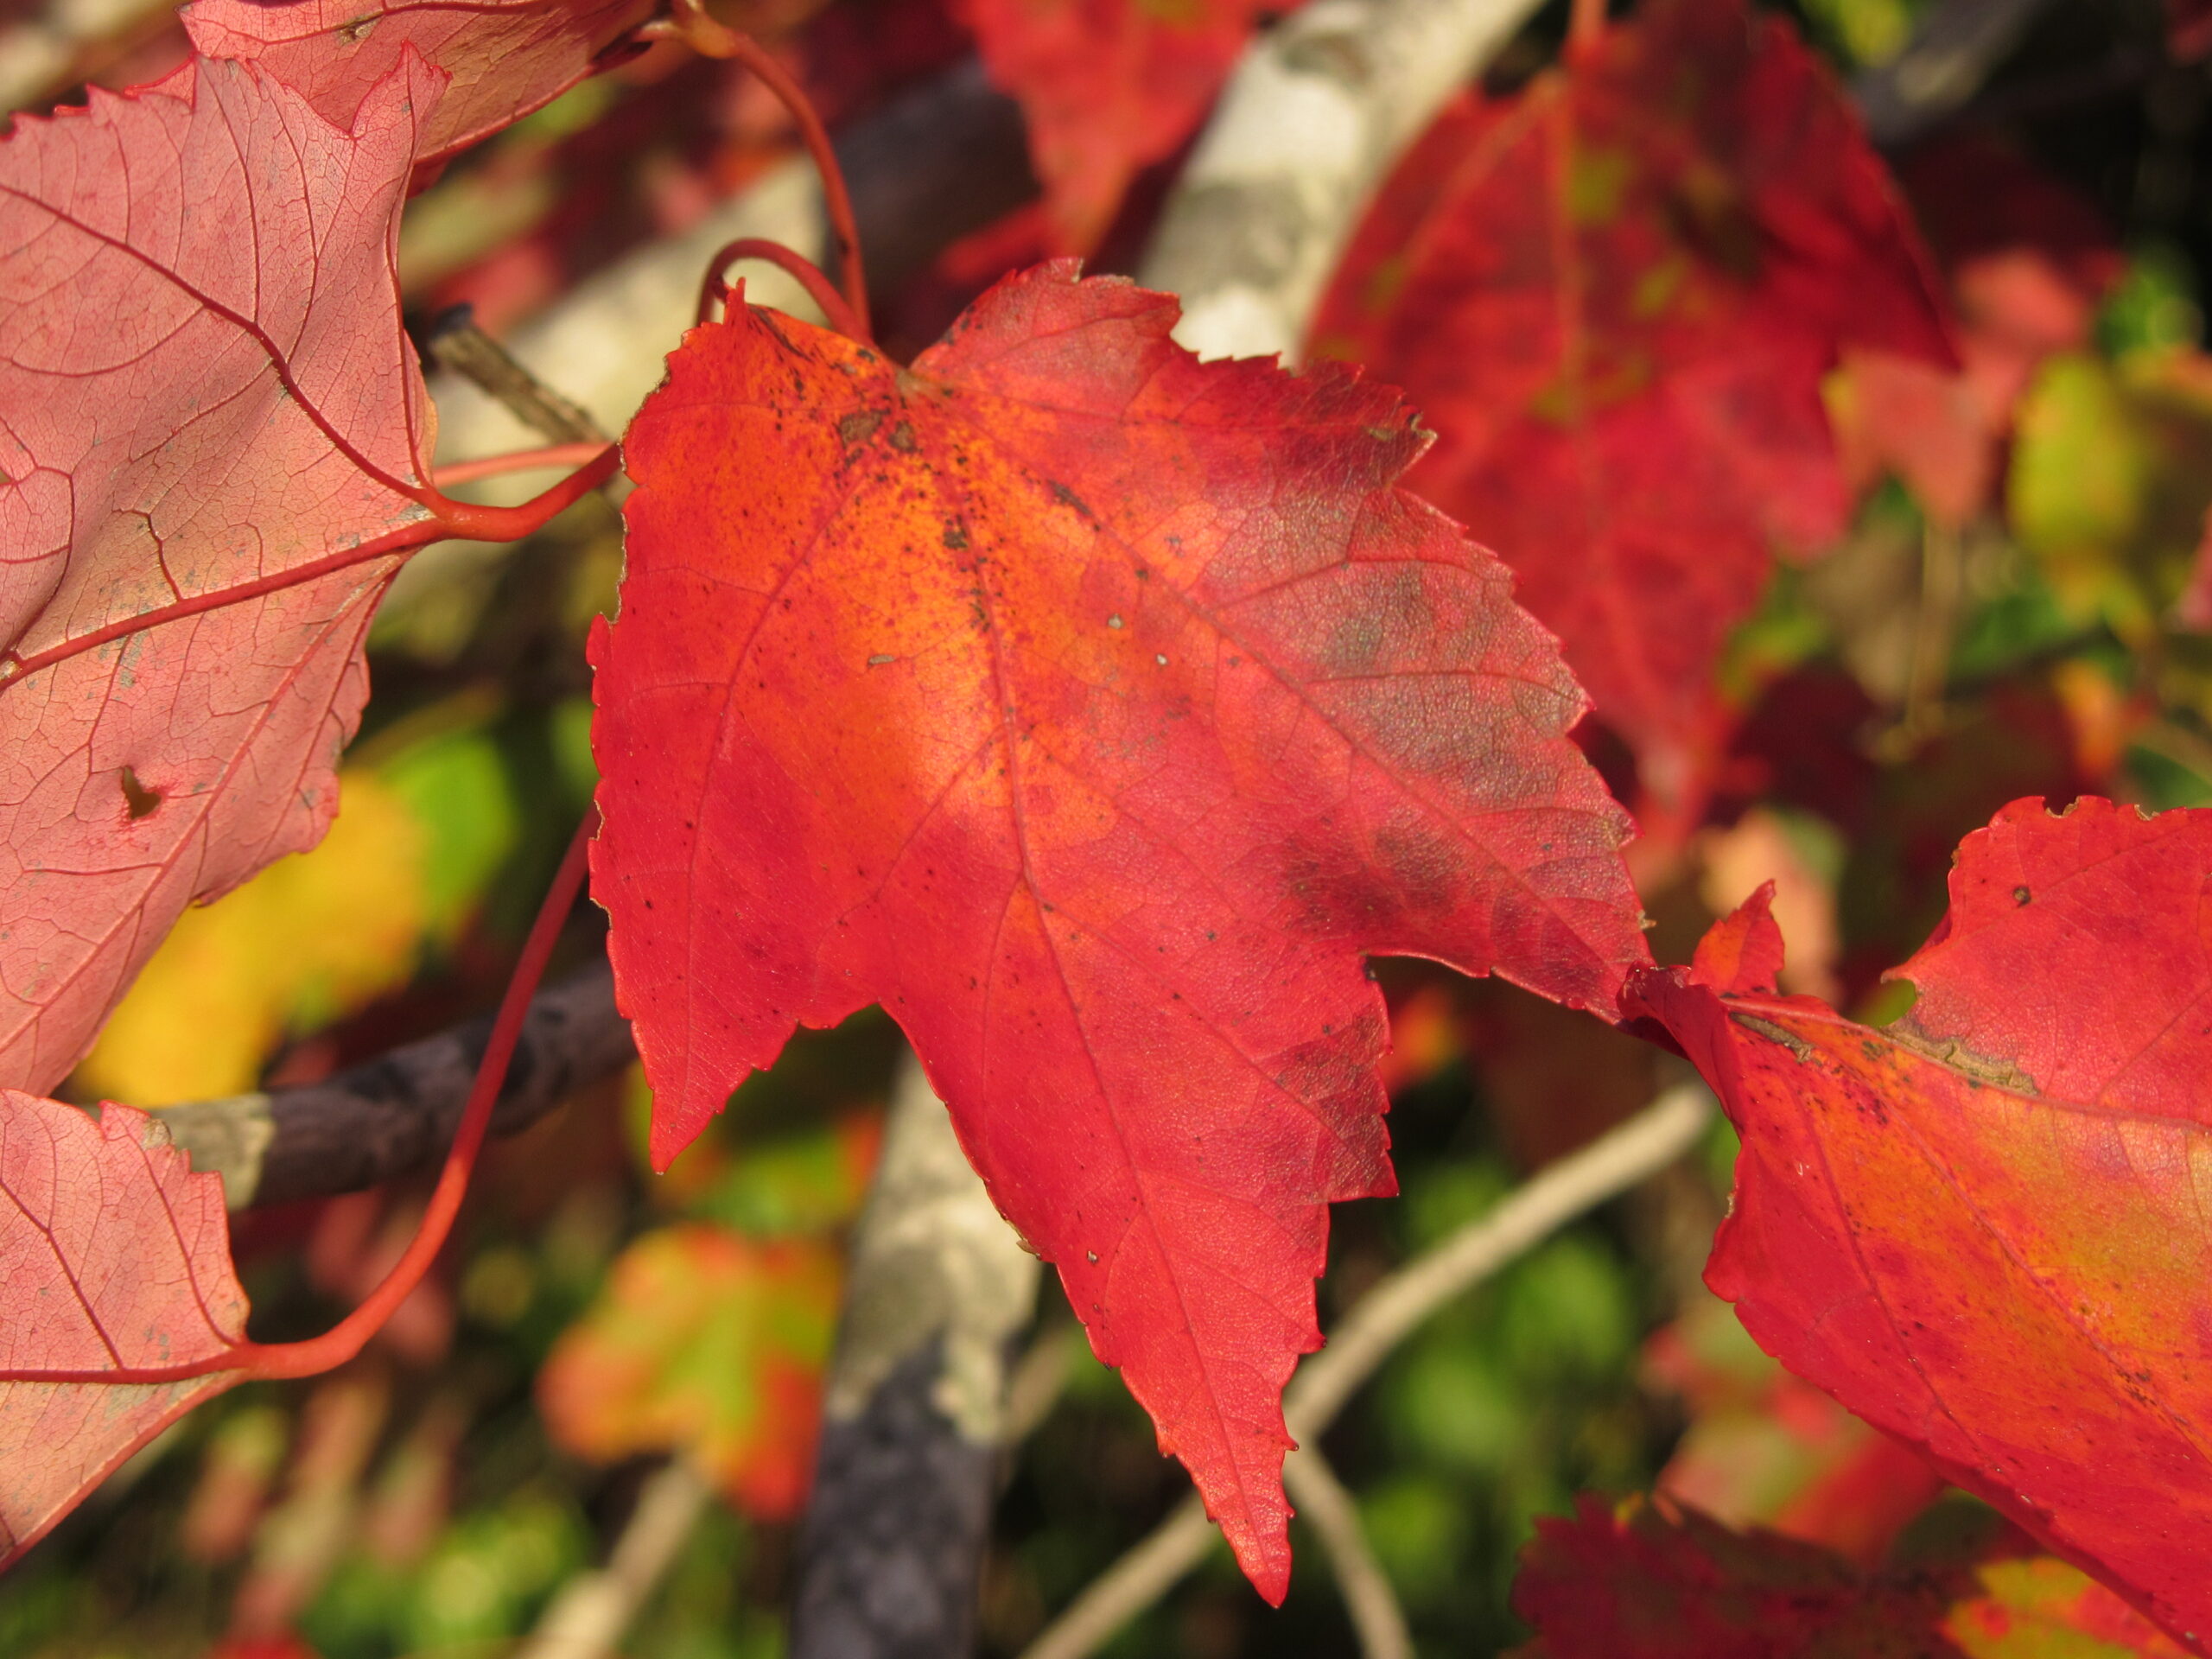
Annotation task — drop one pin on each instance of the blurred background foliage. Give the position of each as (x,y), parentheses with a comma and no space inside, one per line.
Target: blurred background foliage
(431,1499)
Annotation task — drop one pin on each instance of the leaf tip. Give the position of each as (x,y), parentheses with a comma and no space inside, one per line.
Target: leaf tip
(1741,955)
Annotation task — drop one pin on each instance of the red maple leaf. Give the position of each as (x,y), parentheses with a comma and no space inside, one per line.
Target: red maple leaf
(506,57)
(1108,87)
(1615,295)
(115,1256)
(1094,710)
(1982,1229)
(244,406)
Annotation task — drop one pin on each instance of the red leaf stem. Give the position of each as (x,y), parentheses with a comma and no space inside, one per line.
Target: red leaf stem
(350,1334)
(484,524)
(467,518)
(347,1337)
(519,460)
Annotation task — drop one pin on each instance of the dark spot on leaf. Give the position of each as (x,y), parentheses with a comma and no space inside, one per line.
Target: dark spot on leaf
(903,439)
(956,536)
(859,428)
(138,800)
(2021,895)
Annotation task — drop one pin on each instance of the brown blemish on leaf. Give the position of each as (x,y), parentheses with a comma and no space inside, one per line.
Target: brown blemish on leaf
(2004,1074)
(1774,1033)
(138,800)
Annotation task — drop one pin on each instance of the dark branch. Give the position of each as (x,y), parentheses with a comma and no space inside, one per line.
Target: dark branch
(891,1547)
(456,343)
(1958,45)
(397,1113)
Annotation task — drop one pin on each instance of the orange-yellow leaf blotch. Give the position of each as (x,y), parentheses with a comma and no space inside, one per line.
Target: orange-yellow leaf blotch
(708,1343)
(1983,1228)
(115,1256)
(1186,708)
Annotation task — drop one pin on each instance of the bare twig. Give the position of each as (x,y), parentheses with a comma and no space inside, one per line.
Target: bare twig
(1143,1575)
(1935,623)
(1326,1507)
(1955,48)
(457,345)
(1317,112)
(1383,1319)
(1401,1303)
(587,1619)
(1039,1377)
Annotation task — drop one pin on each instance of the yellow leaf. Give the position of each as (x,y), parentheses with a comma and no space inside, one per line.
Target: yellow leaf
(311,938)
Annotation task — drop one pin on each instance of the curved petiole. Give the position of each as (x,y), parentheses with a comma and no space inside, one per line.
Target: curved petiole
(688,21)
(519,460)
(713,292)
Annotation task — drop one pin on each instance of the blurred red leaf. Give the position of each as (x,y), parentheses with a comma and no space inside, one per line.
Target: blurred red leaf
(1981,1229)
(1652,1581)
(2028,260)
(506,57)
(708,1343)
(1094,710)
(1764,1448)
(2188,28)
(246,405)
(1108,87)
(286,1646)
(116,1257)
(1615,295)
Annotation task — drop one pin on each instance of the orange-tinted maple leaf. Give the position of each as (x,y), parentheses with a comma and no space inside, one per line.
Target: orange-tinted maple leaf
(708,1343)
(1982,1229)
(204,383)
(506,57)
(1108,87)
(115,1256)
(1614,296)
(1094,710)
(1654,1581)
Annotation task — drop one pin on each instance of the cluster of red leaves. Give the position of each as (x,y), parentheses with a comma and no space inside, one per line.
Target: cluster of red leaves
(1098,712)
